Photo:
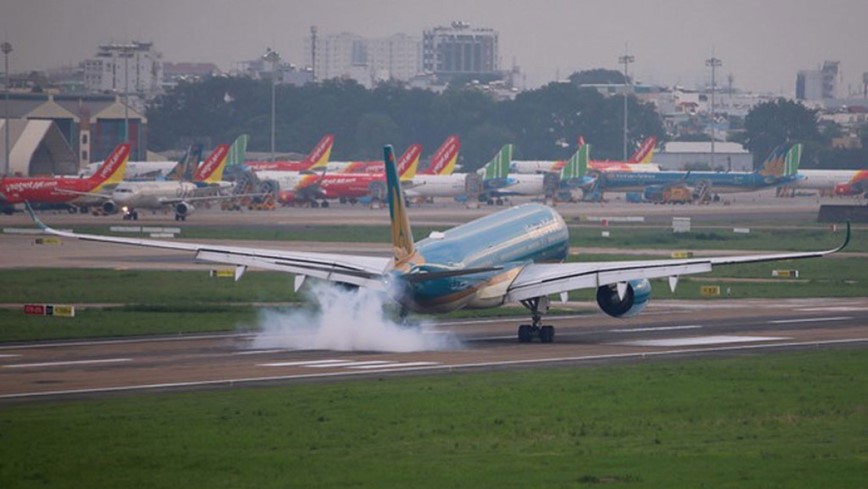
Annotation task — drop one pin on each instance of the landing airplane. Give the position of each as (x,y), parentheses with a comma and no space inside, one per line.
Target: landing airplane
(514,255)
(64,190)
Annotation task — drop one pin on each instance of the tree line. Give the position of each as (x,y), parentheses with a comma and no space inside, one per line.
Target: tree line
(543,123)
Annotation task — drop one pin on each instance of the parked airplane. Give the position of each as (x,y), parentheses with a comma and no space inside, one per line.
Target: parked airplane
(462,185)
(177,195)
(514,255)
(640,160)
(858,184)
(780,168)
(443,161)
(64,190)
(831,182)
(137,170)
(348,187)
(548,185)
(318,158)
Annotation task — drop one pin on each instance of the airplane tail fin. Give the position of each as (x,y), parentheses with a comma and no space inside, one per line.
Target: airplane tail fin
(319,157)
(238,151)
(187,165)
(498,167)
(403,247)
(792,161)
(577,166)
(645,152)
(775,164)
(409,162)
(111,172)
(444,159)
(211,170)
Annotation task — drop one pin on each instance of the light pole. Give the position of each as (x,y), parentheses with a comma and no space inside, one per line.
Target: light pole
(714,63)
(272,57)
(126,52)
(626,60)
(6,48)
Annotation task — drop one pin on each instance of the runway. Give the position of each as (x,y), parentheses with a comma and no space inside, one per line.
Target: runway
(668,329)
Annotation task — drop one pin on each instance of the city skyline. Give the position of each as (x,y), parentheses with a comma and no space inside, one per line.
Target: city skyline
(763,46)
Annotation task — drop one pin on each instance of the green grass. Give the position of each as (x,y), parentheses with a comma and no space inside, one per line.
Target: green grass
(621,236)
(779,421)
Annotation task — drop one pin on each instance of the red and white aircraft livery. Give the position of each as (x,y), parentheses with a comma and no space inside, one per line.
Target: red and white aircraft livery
(349,187)
(639,161)
(318,158)
(442,161)
(65,190)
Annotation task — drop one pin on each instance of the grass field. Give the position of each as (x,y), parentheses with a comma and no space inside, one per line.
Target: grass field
(794,420)
(170,302)
(808,237)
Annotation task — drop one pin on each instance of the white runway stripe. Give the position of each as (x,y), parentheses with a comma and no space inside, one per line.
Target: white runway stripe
(303,364)
(662,328)
(68,364)
(809,320)
(701,340)
(395,365)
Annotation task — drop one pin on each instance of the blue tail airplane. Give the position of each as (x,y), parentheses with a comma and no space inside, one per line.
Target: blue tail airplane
(514,255)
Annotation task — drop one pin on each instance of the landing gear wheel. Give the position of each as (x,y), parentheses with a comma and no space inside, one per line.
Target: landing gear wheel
(547,334)
(525,333)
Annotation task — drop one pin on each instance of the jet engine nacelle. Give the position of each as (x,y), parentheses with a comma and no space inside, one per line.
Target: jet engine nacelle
(635,298)
(184,209)
(109,207)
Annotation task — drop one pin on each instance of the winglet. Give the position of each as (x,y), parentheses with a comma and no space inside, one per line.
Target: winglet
(35,219)
(846,239)
(403,247)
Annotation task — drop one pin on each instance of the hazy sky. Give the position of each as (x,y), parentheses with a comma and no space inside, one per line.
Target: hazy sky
(762,43)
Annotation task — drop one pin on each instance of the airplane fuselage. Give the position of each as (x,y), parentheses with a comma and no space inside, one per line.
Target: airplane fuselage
(151,195)
(507,240)
(720,182)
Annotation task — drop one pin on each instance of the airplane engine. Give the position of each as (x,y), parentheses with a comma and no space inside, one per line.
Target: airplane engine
(109,207)
(184,209)
(635,299)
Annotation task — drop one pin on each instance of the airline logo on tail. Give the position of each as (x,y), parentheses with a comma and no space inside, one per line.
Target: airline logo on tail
(238,151)
(794,157)
(113,168)
(498,167)
(403,247)
(211,170)
(444,159)
(577,166)
(645,152)
(409,162)
(319,157)
(775,165)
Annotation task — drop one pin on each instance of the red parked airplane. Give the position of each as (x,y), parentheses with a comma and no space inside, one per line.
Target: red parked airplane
(64,190)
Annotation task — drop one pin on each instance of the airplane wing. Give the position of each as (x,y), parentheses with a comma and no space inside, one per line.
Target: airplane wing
(364,271)
(537,280)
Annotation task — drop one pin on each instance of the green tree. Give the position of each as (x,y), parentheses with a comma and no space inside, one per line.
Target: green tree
(781,121)
(597,76)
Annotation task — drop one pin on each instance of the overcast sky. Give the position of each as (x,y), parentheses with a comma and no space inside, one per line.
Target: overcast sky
(762,43)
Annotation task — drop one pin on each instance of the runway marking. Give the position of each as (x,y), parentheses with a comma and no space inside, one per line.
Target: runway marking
(394,365)
(809,320)
(10,355)
(155,339)
(259,352)
(661,328)
(351,363)
(302,364)
(67,364)
(350,373)
(701,340)
(832,309)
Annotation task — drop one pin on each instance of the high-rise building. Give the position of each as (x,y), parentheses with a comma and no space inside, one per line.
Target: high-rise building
(459,49)
(135,68)
(367,61)
(821,84)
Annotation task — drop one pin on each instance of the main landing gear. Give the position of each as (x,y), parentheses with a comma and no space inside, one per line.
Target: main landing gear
(527,332)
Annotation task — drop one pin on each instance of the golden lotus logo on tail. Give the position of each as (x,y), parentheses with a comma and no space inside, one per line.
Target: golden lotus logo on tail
(403,247)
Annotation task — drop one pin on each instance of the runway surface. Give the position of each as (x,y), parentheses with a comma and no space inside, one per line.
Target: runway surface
(667,329)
